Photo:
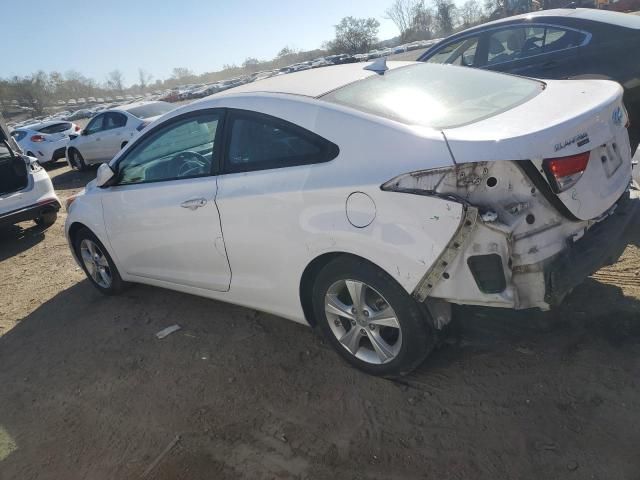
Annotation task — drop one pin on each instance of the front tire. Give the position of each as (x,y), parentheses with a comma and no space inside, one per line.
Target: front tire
(97,263)
(370,319)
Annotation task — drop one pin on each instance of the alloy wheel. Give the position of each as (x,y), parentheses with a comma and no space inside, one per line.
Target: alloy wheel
(96,263)
(363,321)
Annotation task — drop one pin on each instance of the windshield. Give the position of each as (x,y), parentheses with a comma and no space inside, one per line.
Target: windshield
(151,110)
(436,96)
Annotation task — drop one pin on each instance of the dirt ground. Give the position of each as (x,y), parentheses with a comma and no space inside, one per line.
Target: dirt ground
(87,391)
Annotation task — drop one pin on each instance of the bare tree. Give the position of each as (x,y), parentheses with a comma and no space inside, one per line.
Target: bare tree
(144,79)
(181,73)
(115,80)
(445,16)
(401,13)
(470,13)
(355,35)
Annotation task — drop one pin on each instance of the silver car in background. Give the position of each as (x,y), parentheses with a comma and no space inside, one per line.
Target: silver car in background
(110,130)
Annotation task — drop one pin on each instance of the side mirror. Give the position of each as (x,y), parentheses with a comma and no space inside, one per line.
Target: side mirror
(105,174)
(84,132)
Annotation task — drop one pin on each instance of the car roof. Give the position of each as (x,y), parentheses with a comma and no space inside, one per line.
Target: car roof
(129,106)
(311,83)
(588,14)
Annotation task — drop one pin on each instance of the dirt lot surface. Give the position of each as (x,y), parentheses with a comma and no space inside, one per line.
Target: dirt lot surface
(87,391)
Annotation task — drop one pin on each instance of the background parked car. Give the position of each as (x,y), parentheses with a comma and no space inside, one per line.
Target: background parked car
(26,192)
(555,44)
(110,130)
(45,141)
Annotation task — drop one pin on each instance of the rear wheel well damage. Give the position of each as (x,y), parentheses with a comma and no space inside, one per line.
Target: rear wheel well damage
(436,312)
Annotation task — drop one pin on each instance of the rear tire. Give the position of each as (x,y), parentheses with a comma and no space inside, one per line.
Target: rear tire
(77,160)
(97,263)
(46,219)
(385,333)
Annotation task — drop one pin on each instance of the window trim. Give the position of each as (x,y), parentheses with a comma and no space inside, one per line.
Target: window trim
(216,152)
(126,120)
(585,42)
(329,149)
(483,35)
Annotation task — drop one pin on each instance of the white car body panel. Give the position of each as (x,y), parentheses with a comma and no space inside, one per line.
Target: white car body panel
(155,237)
(274,223)
(555,118)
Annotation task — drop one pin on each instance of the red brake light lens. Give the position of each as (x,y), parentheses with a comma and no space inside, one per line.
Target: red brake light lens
(564,172)
(38,138)
(78,128)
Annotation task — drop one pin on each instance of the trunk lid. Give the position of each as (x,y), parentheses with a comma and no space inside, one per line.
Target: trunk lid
(566,119)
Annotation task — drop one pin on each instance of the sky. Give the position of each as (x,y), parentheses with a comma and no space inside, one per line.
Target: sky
(96,37)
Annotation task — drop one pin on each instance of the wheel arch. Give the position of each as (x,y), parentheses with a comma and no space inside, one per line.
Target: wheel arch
(309,274)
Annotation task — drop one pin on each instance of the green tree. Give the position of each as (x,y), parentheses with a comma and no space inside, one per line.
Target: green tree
(355,35)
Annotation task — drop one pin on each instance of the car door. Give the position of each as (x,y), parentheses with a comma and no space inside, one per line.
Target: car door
(160,214)
(540,51)
(90,142)
(115,124)
(267,163)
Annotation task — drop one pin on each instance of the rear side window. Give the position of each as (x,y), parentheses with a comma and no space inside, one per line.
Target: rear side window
(259,142)
(516,43)
(436,96)
(18,135)
(114,120)
(56,128)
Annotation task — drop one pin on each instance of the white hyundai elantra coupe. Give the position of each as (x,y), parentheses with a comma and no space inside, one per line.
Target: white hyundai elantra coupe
(365,202)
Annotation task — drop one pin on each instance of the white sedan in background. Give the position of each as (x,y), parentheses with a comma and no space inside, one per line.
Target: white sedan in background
(366,202)
(45,141)
(110,130)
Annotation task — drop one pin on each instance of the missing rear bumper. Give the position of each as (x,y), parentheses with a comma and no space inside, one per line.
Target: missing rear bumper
(601,245)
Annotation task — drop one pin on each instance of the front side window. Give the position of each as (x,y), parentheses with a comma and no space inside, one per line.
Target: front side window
(95,125)
(260,142)
(462,53)
(182,149)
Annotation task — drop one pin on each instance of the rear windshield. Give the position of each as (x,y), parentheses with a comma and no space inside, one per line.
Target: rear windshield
(18,135)
(436,96)
(150,110)
(56,128)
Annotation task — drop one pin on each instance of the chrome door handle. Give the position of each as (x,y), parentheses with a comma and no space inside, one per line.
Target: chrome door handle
(194,203)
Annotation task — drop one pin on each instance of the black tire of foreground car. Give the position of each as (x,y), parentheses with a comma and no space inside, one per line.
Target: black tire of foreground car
(77,160)
(94,258)
(370,319)
(46,219)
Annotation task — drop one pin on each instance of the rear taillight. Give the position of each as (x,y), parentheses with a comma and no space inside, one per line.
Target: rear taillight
(564,172)
(78,128)
(38,138)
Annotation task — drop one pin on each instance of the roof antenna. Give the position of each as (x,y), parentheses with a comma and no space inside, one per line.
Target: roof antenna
(379,66)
